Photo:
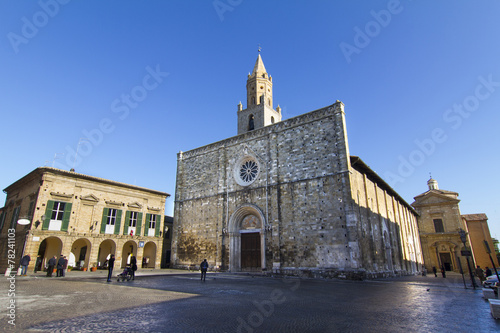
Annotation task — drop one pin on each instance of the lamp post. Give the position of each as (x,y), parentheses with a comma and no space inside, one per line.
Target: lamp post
(487,248)
(463,237)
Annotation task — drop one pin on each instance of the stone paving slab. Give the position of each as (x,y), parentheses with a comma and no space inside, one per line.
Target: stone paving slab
(247,303)
(42,300)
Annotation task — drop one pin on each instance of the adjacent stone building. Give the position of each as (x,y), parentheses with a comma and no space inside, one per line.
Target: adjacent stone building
(439,223)
(479,232)
(82,217)
(167,241)
(287,197)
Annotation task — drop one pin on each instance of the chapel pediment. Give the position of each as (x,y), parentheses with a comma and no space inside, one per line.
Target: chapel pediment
(432,198)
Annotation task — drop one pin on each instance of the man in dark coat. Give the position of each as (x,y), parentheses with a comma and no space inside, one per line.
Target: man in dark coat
(61,263)
(111,264)
(51,264)
(204,268)
(38,263)
(133,266)
(25,261)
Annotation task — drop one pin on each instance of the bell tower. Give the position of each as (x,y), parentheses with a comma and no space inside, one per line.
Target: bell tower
(259,111)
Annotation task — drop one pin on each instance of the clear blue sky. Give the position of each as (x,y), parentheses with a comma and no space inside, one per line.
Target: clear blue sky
(420,81)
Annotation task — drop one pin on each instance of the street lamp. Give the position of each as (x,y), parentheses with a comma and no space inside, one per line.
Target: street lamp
(487,248)
(467,253)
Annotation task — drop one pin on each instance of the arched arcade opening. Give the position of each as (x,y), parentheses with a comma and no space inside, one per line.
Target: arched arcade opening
(106,248)
(149,256)
(129,249)
(49,247)
(80,254)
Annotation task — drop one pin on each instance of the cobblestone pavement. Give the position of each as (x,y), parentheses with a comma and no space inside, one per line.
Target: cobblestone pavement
(245,303)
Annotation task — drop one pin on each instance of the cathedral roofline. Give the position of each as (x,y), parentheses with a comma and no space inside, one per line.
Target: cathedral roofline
(312,115)
(358,164)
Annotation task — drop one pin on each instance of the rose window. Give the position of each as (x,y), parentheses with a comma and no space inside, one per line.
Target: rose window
(246,170)
(249,171)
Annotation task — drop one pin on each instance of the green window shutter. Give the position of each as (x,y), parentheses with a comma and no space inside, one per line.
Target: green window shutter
(127,221)
(104,218)
(146,224)
(118,221)
(66,216)
(48,215)
(2,220)
(138,225)
(158,226)
(31,211)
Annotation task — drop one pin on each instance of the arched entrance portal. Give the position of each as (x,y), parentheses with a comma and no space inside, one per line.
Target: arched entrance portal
(129,249)
(446,255)
(247,239)
(106,248)
(149,257)
(49,247)
(80,251)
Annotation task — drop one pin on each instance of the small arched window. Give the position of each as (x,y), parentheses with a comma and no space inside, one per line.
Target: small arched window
(253,100)
(272,120)
(251,125)
(269,101)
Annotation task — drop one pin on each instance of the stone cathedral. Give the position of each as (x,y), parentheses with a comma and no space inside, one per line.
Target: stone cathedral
(286,197)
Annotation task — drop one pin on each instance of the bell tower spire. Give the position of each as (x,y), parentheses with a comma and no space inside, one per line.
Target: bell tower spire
(259,85)
(259,111)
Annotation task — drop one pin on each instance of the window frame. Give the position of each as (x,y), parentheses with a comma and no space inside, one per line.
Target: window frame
(438,222)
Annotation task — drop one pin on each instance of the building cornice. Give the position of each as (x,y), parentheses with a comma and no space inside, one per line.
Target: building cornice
(41,171)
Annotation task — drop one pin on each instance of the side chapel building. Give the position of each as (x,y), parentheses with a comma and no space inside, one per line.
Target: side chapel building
(287,197)
(82,217)
(439,223)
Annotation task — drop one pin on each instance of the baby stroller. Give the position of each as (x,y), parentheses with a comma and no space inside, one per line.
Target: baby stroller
(125,275)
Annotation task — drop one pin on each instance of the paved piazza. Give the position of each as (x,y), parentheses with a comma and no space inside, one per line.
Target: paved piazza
(179,302)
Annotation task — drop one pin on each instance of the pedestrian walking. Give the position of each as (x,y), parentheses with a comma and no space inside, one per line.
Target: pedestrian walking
(61,263)
(24,264)
(480,273)
(434,270)
(38,263)
(443,271)
(488,272)
(52,263)
(111,264)
(204,268)
(133,266)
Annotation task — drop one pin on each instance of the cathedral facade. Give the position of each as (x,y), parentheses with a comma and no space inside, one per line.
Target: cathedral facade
(286,197)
